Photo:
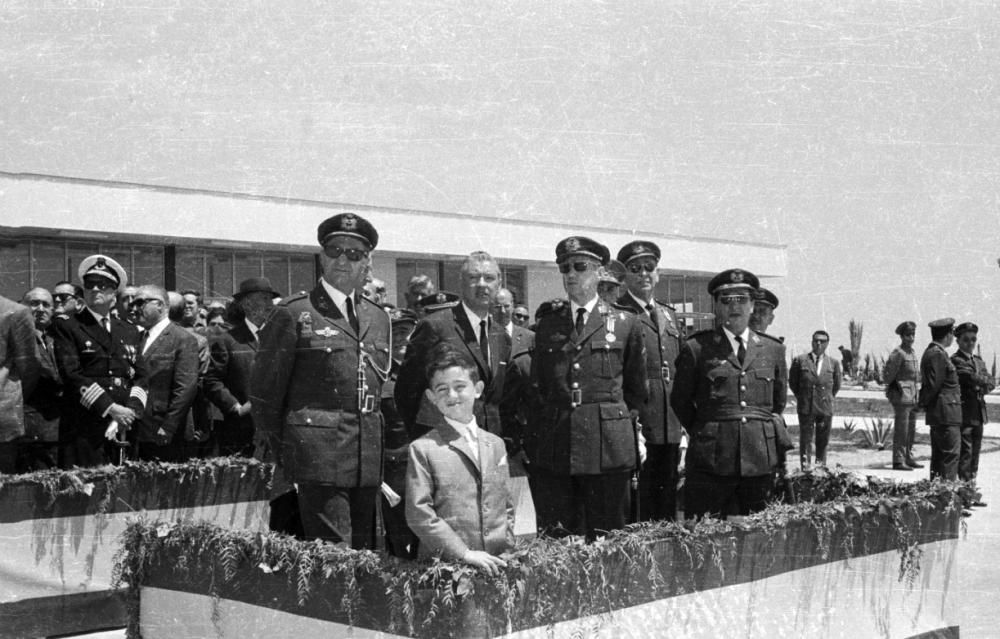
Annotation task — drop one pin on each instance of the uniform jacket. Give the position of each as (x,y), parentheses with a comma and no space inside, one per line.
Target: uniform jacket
(452,325)
(19,366)
(940,394)
(901,376)
(41,409)
(588,387)
(98,369)
(814,393)
(171,364)
(662,339)
(321,410)
(227,380)
(518,401)
(975,381)
(455,502)
(731,412)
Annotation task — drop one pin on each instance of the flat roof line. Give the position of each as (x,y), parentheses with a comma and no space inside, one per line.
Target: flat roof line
(116,184)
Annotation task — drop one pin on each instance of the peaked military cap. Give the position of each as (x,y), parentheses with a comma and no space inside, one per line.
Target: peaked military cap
(438,301)
(766,296)
(945,322)
(639,248)
(255,285)
(906,328)
(349,224)
(579,245)
(731,279)
(613,273)
(104,266)
(966,327)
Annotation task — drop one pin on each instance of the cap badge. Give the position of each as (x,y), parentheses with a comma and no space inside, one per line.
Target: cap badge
(572,244)
(737,277)
(441,298)
(101,263)
(349,223)
(637,249)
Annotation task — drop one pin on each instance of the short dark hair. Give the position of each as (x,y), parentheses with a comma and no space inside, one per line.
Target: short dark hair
(445,356)
(823,333)
(191,291)
(77,289)
(939,332)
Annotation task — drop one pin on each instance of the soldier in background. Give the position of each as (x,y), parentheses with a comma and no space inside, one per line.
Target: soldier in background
(729,393)
(900,375)
(589,376)
(975,382)
(316,385)
(764,304)
(609,282)
(941,398)
(662,337)
(419,287)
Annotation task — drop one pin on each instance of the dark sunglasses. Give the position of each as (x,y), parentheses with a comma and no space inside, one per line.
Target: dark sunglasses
(637,268)
(62,297)
(355,255)
(141,301)
(579,267)
(734,299)
(101,285)
(521,315)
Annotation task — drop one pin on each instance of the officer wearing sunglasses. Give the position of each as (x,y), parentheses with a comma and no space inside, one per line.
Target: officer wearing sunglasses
(588,380)
(729,393)
(316,388)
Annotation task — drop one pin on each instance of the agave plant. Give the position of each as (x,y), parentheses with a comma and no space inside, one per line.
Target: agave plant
(877,433)
(849,425)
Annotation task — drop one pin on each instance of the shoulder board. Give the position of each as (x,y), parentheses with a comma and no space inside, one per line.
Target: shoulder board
(301,295)
(551,306)
(772,338)
(664,304)
(622,307)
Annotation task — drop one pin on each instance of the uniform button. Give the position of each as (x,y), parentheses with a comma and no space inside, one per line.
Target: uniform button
(743,405)
(576,366)
(743,420)
(743,374)
(309,420)
(579,348)
(743,388)
(329,350)
(576,385)
(607,347)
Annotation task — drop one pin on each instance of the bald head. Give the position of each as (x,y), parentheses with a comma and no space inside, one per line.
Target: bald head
(39,300)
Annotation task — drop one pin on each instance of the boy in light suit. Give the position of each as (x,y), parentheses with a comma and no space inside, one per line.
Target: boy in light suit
(458,499)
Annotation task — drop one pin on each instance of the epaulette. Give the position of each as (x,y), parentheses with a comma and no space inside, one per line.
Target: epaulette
(625,307)
(301,295)
(551,306)
(397,315)
(770,337)
(662,303)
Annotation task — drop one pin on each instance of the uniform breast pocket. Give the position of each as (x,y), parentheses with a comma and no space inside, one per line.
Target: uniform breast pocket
(609,356)
(761,386)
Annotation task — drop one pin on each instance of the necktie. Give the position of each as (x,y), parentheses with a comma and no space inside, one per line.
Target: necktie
(473,443)
(652,315)
(106,324)
(579,320)
(484,342)
(741,353)
(352,317)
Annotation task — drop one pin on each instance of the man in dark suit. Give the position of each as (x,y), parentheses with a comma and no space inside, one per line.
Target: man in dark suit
(588,374)
(815,380)
(19,370)
(729,394)
(941,398)
(98,363)
(975,382)
(39,448)
(316,384)
(662,338)
(170,356)
(227,381)
(467,325)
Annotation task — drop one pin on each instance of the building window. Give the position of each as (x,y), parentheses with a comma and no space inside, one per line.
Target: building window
(15,268)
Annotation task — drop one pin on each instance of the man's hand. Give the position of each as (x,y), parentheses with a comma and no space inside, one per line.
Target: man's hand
(121,414)
(243,409)
(642,448)
(484,561)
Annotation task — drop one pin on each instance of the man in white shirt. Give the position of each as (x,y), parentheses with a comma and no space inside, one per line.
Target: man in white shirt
(815,380)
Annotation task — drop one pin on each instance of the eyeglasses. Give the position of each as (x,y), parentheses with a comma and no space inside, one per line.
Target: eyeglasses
(62,297)
(637,267)
(333,252)
(101,285)
(734,299)
(142,301)
(521,315)
(579,267)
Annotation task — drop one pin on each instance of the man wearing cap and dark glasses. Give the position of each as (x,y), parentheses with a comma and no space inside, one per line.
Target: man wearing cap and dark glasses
(975,382)
(662,337)
(901,376)
(316,386)
(588,377)
(729,393)
(941,398)
(103,376)
(764,304)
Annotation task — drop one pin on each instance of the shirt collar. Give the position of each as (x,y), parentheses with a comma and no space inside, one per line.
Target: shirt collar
(469,430)
(339,297)
(97,315)
(640,302)
(509,328)
(253,327)
(156,329)
(589,306)
(745,335)
(474,319)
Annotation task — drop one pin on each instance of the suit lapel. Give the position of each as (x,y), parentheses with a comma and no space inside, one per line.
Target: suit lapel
(594,322)
(470,337)
(456,440)
(92,328)
(754,348)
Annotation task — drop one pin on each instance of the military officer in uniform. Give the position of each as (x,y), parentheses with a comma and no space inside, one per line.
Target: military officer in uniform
(764,304)
(729,393)
(589,376)
(941,398)
(316,386)
(901,376)
(975,381)
(97,355)
(662,337)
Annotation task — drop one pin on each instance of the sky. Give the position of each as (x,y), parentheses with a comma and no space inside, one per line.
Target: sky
(863,136)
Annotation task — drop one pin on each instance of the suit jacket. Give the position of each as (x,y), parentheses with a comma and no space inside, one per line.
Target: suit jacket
(814,392)
(731,411)
(315,386)
(171,364)
(41,408)
(455,502)
(662,339)
(901,375)
(452,325)
(589,386)
(518,401)
(98,369)
(19,366)
(227,380)
(940,394)
(975,381)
